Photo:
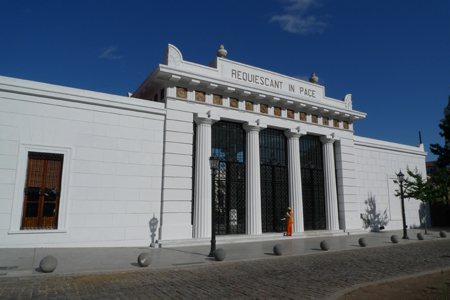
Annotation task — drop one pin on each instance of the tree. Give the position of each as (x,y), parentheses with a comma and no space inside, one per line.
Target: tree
(416,187)
(443,152)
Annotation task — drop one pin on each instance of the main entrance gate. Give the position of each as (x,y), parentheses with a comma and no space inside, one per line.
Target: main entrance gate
(228,143)
(312,183)
(274,179)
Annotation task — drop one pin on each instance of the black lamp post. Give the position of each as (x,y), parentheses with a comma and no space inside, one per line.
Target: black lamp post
(401,179)
(214,165)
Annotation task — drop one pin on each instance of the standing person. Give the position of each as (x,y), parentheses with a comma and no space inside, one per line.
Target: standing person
(290,221)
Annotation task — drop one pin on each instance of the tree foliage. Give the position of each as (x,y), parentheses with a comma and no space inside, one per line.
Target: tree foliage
(443,152)
(423,189)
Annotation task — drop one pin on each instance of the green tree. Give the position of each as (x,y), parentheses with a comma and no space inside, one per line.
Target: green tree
(419,188)
(443,152)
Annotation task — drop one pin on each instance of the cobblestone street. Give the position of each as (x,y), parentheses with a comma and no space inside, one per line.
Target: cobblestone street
(312,276)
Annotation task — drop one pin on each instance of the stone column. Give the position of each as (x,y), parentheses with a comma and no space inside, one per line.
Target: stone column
(295,178)
(202,180)
(331,204)
(253,224)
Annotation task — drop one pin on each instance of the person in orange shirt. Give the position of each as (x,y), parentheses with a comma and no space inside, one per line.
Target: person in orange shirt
(290,221)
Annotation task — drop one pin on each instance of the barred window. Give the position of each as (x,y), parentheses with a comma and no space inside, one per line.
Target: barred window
(42,191)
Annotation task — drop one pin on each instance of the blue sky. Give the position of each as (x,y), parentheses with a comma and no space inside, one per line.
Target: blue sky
(392,56)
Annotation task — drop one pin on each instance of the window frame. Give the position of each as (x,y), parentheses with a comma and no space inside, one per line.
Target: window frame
(20,184)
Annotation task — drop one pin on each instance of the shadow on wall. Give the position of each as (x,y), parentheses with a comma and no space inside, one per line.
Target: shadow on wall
(374,219)
(423,207)
(153,224)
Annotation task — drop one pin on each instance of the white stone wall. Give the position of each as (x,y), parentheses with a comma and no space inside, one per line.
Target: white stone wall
(377,163)
(177,180)
(112,171)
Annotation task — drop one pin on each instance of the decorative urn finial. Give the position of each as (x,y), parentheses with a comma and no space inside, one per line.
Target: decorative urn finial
(221,52)
(313,78)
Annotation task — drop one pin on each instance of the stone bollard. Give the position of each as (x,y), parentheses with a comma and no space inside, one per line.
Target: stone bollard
(394,239)
(48,264)
(420,236)
(443,234)
(219,254)
(278,249)
(362,242)
(324,245)
(144,259)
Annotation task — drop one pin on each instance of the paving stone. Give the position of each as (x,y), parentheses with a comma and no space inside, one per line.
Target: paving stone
(312,276)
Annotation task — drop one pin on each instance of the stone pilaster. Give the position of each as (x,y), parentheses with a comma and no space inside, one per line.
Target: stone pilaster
(331,203)
(202,183)
(295,179)
(253,179)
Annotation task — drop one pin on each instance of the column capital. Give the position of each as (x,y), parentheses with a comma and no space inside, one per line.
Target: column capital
(254,126)
(331,138)
(201,118)
(294,133)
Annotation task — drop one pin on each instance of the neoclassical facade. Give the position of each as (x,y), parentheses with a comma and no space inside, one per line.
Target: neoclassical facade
(81,168)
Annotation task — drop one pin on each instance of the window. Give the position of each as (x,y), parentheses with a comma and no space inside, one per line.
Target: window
(42,191)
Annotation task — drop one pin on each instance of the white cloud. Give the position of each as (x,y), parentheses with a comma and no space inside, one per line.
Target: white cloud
(108,53)
(296,20)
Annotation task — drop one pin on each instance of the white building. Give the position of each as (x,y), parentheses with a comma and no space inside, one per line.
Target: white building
(80,168)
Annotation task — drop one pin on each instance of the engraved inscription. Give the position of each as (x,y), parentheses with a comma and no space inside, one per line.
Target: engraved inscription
(264,108)
(234,102)
(217,99)
(181,92)
(199,96)
(248,105)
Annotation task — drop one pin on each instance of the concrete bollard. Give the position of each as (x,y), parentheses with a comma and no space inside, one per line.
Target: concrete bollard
(219,254)
(278,249)
(443,234)
(144,259)
(324,245)
(362,242)
(48,264)
(394,239)
(420,236)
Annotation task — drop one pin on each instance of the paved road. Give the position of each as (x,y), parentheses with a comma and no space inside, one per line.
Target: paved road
(311,276)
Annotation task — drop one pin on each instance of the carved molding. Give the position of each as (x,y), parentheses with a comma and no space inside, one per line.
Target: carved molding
(290,113)
(277,111)
(314,119)
(248,105)
(181,92)
(303,116)
(217,99)
(234,103)
(199,96)
(325,121)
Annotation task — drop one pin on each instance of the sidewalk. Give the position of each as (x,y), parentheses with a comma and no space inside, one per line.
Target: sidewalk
(18,262)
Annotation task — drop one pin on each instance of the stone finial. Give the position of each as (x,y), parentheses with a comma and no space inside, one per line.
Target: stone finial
(313,78)
(222,52)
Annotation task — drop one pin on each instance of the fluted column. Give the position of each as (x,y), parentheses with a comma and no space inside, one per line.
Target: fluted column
(295,178)
(253,179)
(331,203)
(202,183)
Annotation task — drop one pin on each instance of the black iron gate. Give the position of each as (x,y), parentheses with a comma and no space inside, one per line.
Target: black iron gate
(228,143)
(312,183)
(274,179)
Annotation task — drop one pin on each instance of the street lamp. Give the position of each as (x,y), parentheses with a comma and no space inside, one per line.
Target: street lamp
(401,179)
(214,165)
